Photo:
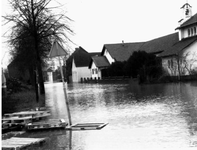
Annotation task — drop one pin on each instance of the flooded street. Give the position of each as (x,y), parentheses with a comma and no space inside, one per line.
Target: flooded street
(147,116)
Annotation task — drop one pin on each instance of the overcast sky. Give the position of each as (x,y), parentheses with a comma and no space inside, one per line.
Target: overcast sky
(99,22)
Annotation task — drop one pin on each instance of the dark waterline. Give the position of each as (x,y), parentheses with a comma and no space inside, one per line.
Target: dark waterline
(147,116)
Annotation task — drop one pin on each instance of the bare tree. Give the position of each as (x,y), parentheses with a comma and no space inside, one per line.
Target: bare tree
(187,63)
(173,65)
(35,26)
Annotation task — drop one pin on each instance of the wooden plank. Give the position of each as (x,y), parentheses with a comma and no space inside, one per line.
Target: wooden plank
(33,114)
(23,118)
(16,118)
(18,143)
(50,124)
(11,147)
(88,126)
(27,139)
(101,126)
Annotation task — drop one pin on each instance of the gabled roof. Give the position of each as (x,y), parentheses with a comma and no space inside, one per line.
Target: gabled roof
(49,69)
(95,54)
(186,4)
(81,57)
(100,61)
(121,51)
(178,47)
(160,44)
(191,21)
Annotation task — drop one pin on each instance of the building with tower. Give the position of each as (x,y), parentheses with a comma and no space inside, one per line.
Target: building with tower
(181,58)
(177,50)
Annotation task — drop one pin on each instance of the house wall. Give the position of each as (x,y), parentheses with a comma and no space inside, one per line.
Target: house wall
(188,62)
(190,57)
(95,71)
(50,76)
(74,72)
(79,72)
(170,66)
(108,56)
(188,32)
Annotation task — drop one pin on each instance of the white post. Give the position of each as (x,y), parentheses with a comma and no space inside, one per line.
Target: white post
(65,93)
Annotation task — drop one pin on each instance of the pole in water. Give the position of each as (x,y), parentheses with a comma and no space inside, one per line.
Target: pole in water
(65,93)
(57,51)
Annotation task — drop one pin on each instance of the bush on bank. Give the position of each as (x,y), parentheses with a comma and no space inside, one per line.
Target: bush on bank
(20,101)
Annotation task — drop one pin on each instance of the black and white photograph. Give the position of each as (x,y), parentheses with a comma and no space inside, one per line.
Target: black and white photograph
(98,74)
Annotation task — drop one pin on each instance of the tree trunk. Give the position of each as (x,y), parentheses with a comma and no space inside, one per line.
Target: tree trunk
(32,79)
(36,87)
(41,81)
(179,72)
(38,61)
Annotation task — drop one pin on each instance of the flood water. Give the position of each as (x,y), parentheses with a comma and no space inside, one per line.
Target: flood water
(147,116)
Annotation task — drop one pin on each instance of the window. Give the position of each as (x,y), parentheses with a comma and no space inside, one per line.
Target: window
(96,71)
(188,32)
(195,30)
(168,63)
(191,31)
(172,63)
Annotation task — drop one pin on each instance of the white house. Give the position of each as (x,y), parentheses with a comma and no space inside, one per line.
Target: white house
(110,54)
(79,72)
(98,64)
(80,60)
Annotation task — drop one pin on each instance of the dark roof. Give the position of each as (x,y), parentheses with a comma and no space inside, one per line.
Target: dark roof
(81,57)
(178,47)
(191,21)
(186,4)
(100,61)
(160,44)
(95,54)
(121,51)
(49,69)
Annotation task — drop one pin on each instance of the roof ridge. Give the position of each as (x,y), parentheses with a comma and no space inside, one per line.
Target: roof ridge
(185,23)
(82,49)
(124,43)
(179,46)
(163,36)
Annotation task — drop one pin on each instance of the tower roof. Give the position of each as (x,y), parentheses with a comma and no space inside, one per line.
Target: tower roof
(186,4)
(191,21)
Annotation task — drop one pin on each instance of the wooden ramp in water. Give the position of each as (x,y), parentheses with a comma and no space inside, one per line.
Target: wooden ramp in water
(47,125)
(16,143)
(88,126)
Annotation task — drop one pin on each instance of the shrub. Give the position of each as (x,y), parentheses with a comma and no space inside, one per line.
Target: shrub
(20,101)
(144,65)
(13,85)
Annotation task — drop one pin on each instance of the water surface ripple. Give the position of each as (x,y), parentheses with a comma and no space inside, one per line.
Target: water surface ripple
(147,116)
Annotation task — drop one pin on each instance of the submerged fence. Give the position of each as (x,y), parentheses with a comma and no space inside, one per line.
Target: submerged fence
(106,79)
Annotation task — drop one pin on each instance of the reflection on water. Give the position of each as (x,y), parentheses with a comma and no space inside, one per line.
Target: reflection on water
(147,116)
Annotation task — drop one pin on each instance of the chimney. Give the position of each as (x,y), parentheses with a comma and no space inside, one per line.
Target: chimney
(122,42)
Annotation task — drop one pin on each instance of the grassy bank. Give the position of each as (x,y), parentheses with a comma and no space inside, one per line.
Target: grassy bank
(21,101)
